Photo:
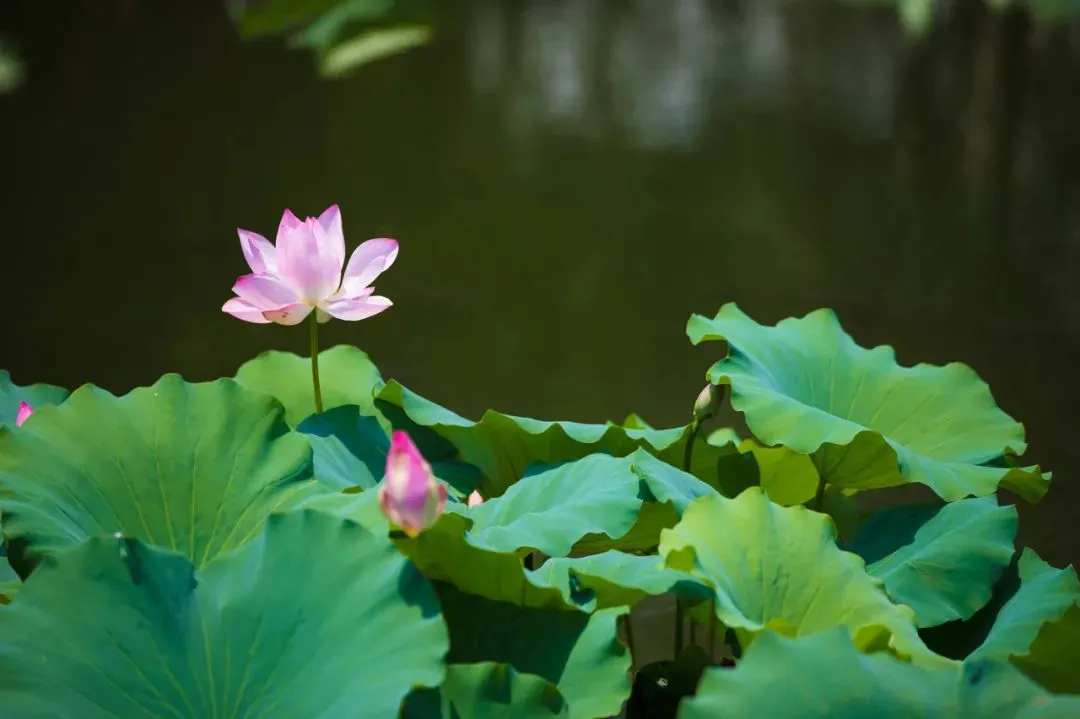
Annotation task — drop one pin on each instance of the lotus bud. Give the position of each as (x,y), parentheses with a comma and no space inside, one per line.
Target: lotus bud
(707,403)
(475,499)
(409,495)
(25,410)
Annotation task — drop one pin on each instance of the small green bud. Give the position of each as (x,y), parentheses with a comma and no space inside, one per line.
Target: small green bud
(707,403)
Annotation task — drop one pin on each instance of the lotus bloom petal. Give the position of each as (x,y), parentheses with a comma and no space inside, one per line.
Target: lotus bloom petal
(368,261)
(357,309)
(409,495)
(475,499)
(303,272)
(259,253)
(25,410)
(244,310)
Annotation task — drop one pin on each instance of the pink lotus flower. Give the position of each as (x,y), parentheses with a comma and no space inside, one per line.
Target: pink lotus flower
(410,496)
(25,410)
(303,273)
(474,499)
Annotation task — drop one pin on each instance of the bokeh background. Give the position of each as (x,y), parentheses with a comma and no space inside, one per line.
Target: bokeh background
(569,181)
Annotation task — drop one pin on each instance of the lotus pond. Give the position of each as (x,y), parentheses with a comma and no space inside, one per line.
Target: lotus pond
(309,538)
(363,526)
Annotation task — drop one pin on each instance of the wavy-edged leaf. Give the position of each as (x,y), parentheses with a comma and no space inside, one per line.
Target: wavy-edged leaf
(827,677)
(488,690)
(614,579)
(503,447)
(314,617)
(350,451)
(665,491)
(1038,628)
(867,421)
(778,569)
(579,653)
(943,566)
(195,468)
(551,510)
(36,395)
(346,376)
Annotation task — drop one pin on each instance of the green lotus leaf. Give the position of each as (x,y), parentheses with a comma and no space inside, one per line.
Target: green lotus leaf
(350,449)
(615,579)
(37,395)
(444,552)
(789,478)
(778,569)
(346,376)
(488,690)
(826,676)
(579,653)
(314,617)
(503,446)
(665,490)
(947,570)
(1038,628)
(194,468)
(866,421)
(551,510)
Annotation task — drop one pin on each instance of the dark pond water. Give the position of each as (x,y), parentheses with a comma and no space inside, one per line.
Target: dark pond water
(569,182)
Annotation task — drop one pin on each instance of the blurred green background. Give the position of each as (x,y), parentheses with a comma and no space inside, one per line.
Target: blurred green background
(569,181)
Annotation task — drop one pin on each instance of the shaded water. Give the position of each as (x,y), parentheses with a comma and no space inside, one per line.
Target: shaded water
(569,181)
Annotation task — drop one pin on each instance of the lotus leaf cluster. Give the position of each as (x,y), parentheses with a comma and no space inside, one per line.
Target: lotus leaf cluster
(223,549)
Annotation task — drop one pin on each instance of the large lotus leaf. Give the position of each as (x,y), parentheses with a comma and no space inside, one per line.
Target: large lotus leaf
(615,579)
(503,446)
(778,568)
(346,376)
(789,478)
(826,676)
(488,690)
(445,552)
(867,421)
(947,570)
(195,468)
(666,491)
(37,395)
(1039,627)
(350,451)
(314,617)
(552,509)
(579,653)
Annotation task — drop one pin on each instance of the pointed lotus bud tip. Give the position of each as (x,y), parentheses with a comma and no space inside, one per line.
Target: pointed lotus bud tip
(707,403)
(25,410)
(410,496)
(475,499)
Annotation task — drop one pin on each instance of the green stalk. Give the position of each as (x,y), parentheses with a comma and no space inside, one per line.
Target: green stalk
(315,361)
(628,628)
(688,456)
(819,497)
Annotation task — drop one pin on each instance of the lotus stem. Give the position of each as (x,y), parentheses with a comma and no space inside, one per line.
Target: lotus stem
(680,620)
(712,628)
(820,496)
(629,629)
(688,458)
(315,361)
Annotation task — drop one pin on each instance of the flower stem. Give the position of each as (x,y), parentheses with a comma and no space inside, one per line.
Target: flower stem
(819,497)
(315,361)
(688,457)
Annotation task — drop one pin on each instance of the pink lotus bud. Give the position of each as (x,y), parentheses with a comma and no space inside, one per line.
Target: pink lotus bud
(25,410)
(409,495)
(475,499)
